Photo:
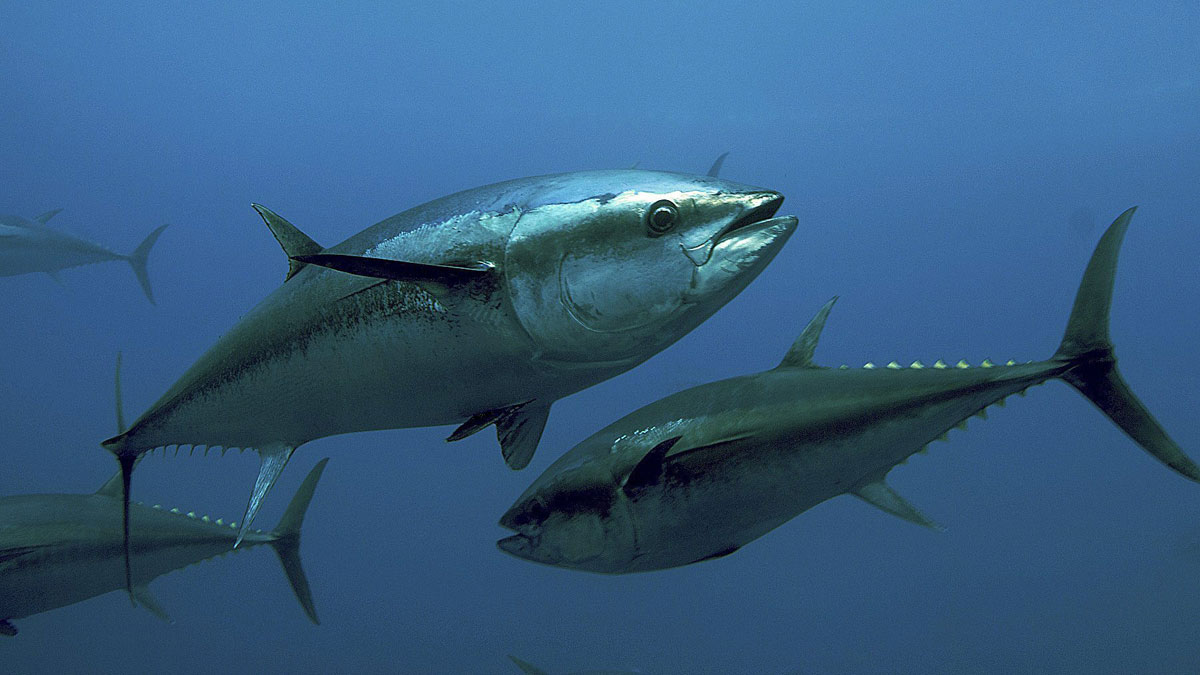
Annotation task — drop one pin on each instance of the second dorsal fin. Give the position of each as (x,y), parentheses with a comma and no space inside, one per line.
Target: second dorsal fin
(800,355)
(294,242)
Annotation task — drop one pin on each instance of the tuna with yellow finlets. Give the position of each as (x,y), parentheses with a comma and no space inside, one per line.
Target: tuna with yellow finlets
(699,474)
(59,549)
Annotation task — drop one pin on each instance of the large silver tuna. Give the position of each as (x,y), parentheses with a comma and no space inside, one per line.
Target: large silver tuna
(698,474)
(480,308)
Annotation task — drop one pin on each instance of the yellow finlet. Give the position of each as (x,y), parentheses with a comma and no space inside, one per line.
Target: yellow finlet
(961,425)
(940,364)
(987,363)
(868,364)
(982,414)
(1010,362)
(916,365)
(962,364)
(894,366)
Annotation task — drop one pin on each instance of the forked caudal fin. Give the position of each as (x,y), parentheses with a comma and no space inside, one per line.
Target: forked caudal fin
(287,541)
(137,260)
(1086,348)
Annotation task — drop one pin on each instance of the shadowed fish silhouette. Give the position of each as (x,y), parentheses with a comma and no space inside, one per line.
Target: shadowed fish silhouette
(28,246)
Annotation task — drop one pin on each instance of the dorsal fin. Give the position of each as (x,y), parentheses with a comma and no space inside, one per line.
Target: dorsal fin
(715,170)
(801,353)
(45,217)
(649,470)
(294,242)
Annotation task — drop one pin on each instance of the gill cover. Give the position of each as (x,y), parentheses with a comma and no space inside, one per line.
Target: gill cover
(589,280)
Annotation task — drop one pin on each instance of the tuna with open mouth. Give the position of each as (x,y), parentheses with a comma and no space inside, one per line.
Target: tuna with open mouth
(698,474)
(481,308)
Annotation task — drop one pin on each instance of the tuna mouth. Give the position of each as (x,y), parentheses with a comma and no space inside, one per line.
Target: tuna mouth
(518,545)
(756,219)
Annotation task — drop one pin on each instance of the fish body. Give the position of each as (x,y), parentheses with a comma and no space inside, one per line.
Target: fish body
(28,246)
(480,308)
(700,473)
(59,549)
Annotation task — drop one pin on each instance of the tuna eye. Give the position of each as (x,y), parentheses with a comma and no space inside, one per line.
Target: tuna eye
(661,217)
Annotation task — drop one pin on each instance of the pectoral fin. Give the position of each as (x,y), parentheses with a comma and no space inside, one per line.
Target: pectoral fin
(397,270)
(880,495)
(143,596)
(649,470)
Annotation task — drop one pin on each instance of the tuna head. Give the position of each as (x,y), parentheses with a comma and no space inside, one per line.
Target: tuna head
(611,267)
(578,519)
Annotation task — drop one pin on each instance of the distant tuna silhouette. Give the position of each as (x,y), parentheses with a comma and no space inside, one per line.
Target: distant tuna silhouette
(28,246)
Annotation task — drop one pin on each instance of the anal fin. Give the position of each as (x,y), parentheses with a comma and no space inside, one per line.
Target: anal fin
(883,497)
(143,596)
(273,459)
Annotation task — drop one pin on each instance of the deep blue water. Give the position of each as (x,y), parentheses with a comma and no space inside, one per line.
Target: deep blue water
(951,167)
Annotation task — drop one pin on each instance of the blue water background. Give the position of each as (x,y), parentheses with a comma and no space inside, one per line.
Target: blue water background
(951,166)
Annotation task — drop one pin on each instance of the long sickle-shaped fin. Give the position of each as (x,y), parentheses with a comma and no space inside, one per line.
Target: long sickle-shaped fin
(1087,348)
(273,459)
(398,270)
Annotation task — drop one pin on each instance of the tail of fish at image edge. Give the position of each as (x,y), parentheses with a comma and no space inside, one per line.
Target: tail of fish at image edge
(286,542)
(137,260)
(1091,365)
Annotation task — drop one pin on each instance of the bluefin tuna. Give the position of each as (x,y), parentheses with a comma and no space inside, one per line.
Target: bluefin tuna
(28,246)
(478,309)
(698,474)
(59,549)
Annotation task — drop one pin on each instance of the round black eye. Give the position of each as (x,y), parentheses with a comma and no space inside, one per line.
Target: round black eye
(661,217)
